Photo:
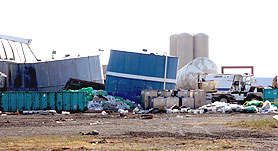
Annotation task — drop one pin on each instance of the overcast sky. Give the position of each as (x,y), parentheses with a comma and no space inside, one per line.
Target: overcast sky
(241,32)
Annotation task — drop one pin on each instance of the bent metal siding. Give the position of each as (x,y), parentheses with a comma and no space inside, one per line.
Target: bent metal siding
(52,75)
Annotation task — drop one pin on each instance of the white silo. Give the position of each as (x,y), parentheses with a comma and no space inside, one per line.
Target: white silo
(185,49)
(173,45)
(200,47)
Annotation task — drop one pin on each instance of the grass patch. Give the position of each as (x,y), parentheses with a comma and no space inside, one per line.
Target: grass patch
(37,143)
(262,124)
(209,123)
(127,144)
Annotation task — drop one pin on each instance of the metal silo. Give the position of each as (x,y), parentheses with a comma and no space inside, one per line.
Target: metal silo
(173,45)
(185,49)
(200,45)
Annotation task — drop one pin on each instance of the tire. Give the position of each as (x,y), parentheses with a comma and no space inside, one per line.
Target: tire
(223,98)
(253,97)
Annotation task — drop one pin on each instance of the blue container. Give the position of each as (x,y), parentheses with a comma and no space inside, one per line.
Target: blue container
(59,101)
(129,73)
(271,95)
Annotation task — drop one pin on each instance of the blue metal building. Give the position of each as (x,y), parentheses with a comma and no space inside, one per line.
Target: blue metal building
(129,73)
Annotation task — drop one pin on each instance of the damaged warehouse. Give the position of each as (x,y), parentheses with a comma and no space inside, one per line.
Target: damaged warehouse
(156,92)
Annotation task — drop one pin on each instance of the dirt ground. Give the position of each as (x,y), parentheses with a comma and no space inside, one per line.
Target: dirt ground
(164,132)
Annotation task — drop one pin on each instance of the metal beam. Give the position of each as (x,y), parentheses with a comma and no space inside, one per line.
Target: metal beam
(238,67)
(23,52)
(16,39)
(4,49)
(32,53)
(12,49)
(17,51)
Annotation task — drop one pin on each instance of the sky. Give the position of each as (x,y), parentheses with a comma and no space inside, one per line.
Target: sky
(241,32)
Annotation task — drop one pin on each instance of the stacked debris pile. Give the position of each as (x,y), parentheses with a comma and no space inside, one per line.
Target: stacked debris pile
(99,100)
(253,106)
(168,98)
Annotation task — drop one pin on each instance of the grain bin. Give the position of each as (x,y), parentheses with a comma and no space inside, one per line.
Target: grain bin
(185,49)
(173,45)
(200,47)
(187,77)
(129,73)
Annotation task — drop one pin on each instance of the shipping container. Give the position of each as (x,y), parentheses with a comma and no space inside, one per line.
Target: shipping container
(59,101)
(128,73)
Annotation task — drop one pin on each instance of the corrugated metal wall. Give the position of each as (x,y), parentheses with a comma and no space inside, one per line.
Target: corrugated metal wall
(59,101)
(52,75)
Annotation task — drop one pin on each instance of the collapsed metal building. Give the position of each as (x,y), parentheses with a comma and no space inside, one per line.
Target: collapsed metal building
(46,75)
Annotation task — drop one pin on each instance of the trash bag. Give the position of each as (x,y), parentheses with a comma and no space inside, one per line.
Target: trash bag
(90,97)
(89,90)
(274,104)
(255,102)
(119,98)
(101,92)
(251,109)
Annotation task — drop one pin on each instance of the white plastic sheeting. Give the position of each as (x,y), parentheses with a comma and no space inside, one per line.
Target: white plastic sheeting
(187,77)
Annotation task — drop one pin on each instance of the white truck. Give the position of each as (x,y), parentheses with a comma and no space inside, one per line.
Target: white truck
(241,89)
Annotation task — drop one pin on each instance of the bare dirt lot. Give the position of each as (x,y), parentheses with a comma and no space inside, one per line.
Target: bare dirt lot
(163,132)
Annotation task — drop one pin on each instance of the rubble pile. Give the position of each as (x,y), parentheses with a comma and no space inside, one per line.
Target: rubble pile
(99,100)
(253,106)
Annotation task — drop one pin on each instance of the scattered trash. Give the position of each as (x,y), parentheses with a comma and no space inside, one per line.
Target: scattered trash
(95,105)
(251,109)
(195,111)
(42,112)
(268,108)
(94,132)
(147,116)
(121,111)
(172,111)
(143,112)
(99,142)
(275,117)
(184,110)
(103,113)
(136,110)
(96,123)
(255,103)
(65,113)
(59,122)
(178,116)
(17,113)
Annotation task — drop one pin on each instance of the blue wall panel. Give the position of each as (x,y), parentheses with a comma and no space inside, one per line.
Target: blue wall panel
(138,65)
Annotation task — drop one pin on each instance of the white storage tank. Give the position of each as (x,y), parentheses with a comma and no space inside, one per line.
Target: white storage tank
(185,49)
(187,77)
(173,45)
(200,47)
